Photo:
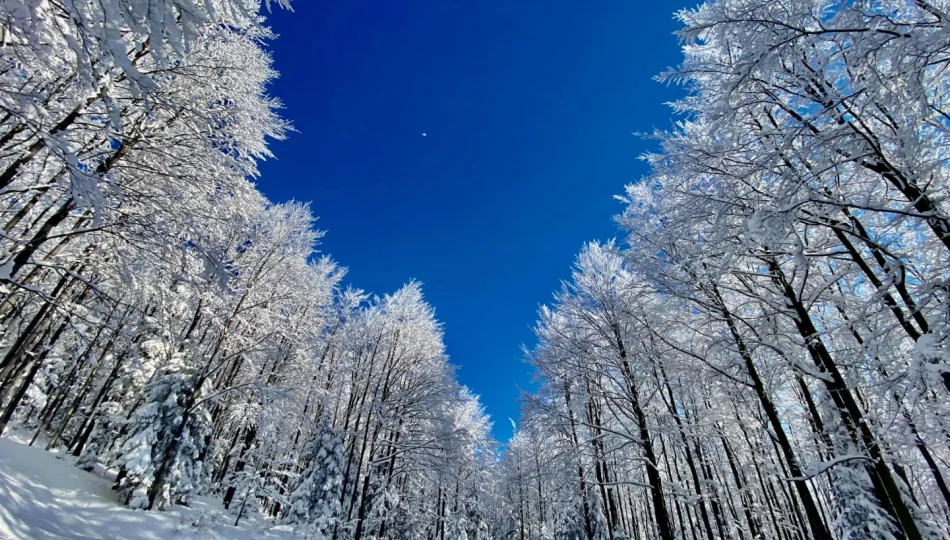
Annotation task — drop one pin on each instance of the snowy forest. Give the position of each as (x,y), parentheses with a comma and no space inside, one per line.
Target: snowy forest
(763,354)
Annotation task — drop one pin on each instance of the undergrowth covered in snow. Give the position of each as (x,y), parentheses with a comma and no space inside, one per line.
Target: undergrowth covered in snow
(43,495)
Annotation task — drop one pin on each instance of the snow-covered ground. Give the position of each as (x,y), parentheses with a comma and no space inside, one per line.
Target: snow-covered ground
(43,495)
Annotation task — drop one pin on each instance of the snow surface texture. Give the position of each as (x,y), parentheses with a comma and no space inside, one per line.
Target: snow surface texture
(42,495)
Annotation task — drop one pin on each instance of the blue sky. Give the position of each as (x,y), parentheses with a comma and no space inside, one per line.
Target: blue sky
(528,109)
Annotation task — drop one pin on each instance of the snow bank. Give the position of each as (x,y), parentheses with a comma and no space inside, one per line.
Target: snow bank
(42,495)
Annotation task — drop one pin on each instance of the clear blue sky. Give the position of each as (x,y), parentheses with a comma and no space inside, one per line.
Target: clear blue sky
(528,107)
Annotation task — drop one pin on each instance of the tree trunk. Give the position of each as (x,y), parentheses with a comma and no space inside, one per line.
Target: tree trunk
(889,495)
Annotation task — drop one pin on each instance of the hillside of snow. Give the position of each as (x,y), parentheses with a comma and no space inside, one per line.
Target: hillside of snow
(44,496)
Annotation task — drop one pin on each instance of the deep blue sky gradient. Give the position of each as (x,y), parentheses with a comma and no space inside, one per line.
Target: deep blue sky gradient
(528,107)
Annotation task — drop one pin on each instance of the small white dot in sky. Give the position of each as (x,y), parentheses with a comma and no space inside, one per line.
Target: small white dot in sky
(424,135)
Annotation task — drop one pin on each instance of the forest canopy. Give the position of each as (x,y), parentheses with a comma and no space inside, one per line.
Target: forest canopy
(763,354)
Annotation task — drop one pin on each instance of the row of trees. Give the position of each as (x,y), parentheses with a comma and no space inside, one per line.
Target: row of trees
(767,355)
(161,318)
